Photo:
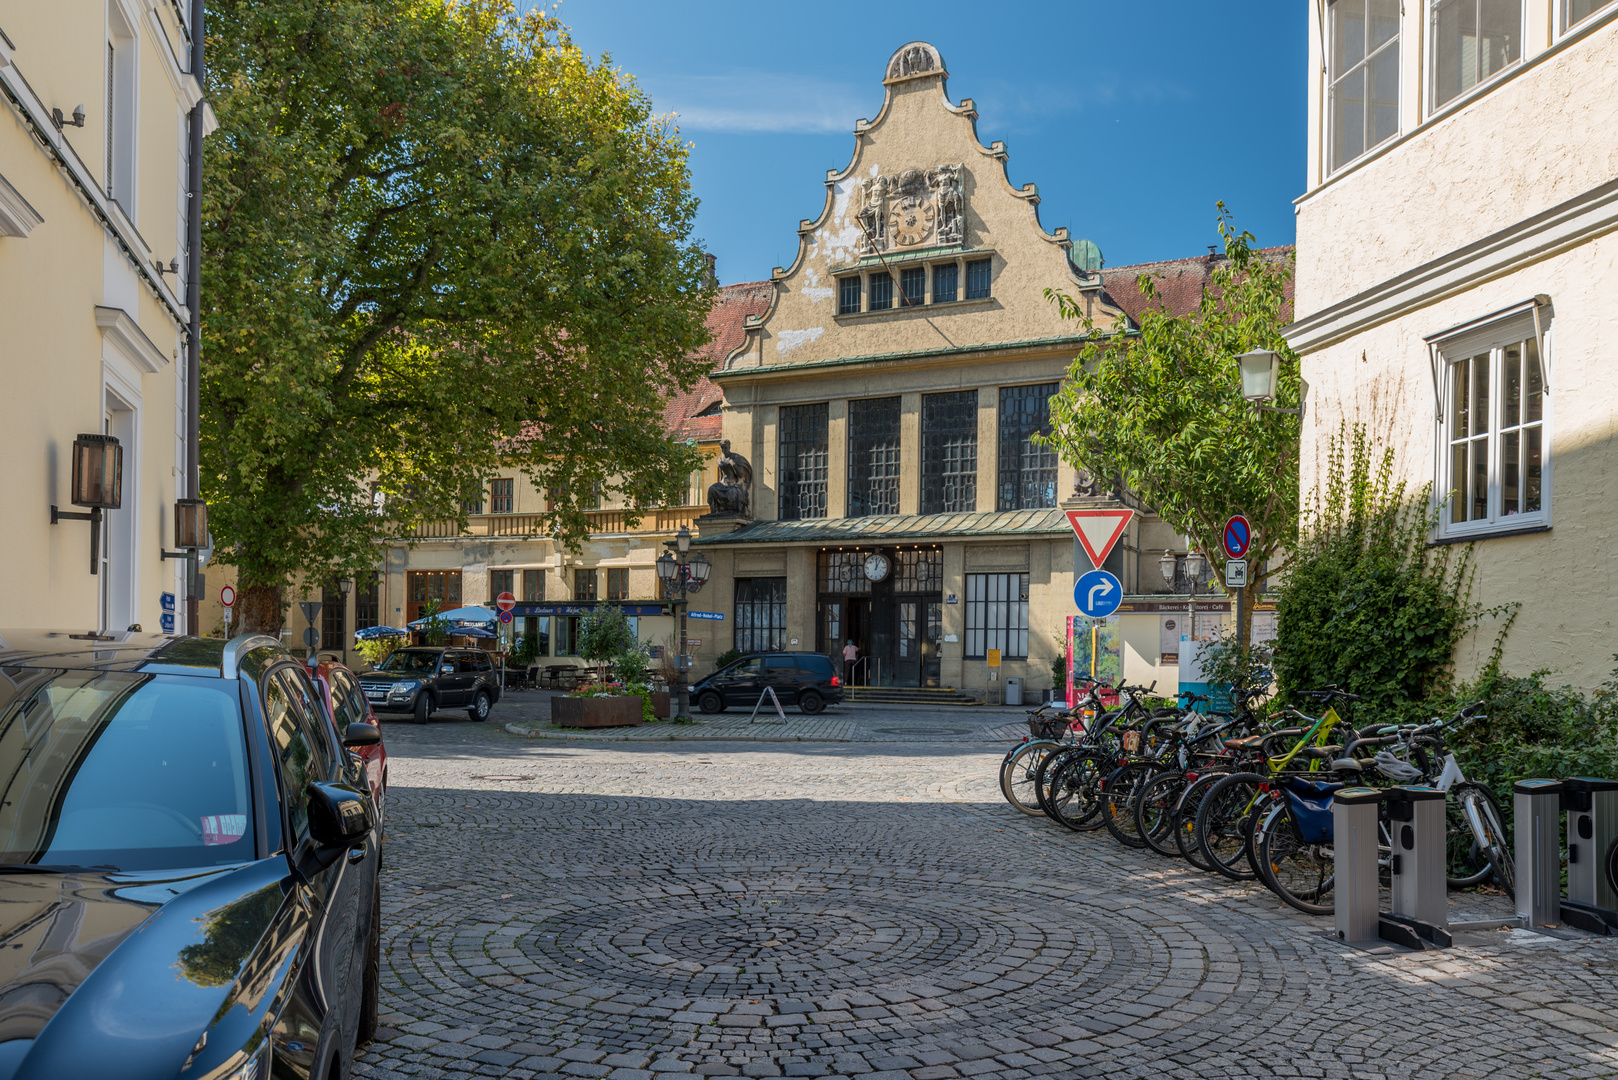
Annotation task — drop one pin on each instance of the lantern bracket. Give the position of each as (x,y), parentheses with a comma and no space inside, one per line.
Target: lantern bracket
(94,518)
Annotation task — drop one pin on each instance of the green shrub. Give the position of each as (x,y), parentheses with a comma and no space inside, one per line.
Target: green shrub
(729,656)
(1531,729)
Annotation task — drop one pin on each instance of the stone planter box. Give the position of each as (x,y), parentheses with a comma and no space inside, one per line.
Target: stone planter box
(661,704)
(596,712)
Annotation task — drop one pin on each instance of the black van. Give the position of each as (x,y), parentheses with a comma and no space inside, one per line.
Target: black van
(806,679)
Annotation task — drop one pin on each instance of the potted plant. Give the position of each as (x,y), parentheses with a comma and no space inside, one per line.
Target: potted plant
(605,637)
(598,705)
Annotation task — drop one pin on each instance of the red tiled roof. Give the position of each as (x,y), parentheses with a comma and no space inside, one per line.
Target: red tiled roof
(1179,283)
(725,324)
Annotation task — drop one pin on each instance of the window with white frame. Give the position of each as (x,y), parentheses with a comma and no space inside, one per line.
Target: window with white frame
(1576,11)
(1472,41)
(1363,73)
(119,121)
(1495,465)
(997,615)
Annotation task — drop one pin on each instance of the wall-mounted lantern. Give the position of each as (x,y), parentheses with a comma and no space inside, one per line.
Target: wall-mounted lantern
(190,528)
(1261,380)
(98,482)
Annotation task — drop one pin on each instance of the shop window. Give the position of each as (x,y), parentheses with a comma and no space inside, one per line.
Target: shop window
(1496,469)
(618,585)
(977,279)
(1027,468)
(567,635)
(946,283)
(1472,41)
(761,614)
(997,615)
(502,496)
(1363,76)
(873,457)
(537,628)
(584,585)
(848,295)
(949,452)
(802,446)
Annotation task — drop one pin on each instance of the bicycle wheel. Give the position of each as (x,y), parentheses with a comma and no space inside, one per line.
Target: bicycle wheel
(1222,823)
(1297,872)
(1118,797)
(1045,773)
(1185,820)
(1488,828)
(1465,862)
(1017,774)
(1074,799)
(1154,812)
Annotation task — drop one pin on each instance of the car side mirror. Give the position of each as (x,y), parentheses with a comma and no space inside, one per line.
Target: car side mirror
(361,734)
(340,817)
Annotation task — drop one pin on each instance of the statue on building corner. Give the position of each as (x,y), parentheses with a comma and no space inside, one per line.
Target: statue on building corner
(733,494)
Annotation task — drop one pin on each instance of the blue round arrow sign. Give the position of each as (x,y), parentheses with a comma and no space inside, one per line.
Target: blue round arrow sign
(1238,536)
(1098,594)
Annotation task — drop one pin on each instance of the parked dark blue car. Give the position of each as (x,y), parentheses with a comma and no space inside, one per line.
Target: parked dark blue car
(188,863)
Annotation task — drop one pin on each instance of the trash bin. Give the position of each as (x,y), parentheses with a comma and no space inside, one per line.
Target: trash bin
(1013,691)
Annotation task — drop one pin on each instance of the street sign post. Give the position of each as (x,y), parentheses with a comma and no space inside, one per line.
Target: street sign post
(311,636)
(1099,530)
(1238,537)
(1235,573)
(505,602)
(505,616)
(1098,594)
(713,615)
(227,596)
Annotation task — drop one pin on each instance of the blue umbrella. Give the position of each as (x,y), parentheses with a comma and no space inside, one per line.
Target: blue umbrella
(370,633)
(471,631)
(459,615)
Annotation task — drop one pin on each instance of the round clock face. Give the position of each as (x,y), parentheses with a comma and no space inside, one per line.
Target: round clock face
(876,566)
(911,220)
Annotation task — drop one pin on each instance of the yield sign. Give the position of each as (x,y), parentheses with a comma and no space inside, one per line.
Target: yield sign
(1099,530)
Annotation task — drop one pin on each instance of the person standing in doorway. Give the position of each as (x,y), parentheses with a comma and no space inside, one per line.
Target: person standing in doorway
(851,653)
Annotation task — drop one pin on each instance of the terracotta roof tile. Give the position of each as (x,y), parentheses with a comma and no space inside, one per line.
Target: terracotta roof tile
(725,324)
(1179,283)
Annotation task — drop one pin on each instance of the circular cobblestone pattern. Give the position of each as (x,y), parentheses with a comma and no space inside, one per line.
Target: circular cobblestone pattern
(877,911)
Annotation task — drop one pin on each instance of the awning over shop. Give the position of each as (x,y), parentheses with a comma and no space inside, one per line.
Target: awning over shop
(896,528)
(584,609)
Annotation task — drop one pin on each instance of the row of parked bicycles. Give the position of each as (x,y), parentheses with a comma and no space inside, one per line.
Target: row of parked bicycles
(1240,794)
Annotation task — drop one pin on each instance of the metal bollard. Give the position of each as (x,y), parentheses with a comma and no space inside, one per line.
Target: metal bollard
(1592,825)
(1538,813)
(1420,891)
(1354,814)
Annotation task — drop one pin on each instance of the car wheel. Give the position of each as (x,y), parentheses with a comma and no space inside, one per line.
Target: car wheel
(480,707)
(371,988)
(810,702)
(711,702)
(424,707)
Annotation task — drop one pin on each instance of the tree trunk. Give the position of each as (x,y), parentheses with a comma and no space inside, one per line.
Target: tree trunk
(260,609)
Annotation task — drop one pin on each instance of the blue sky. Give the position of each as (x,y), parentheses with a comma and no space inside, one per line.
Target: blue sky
(1132,118)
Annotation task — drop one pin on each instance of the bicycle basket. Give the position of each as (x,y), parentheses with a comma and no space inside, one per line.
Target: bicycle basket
(1048,729)
(1311,807)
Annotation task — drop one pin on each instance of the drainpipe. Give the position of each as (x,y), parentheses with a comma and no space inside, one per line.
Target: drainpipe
(193,303)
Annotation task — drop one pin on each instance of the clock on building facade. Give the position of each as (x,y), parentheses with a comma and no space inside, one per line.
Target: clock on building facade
(877,566)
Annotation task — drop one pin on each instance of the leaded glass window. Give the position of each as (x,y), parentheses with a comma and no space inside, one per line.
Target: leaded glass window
(881,291)
(977,279)
(1027,468)
(873,456)
(913,282)
(949,453)
(919,570)
(843,572)
(848,295)
(761,614)
(946,283)
(802,442)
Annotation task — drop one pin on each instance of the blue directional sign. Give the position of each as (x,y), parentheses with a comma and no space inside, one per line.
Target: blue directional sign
(1098,594)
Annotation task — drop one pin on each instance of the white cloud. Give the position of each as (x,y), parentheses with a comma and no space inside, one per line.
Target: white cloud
(746,101)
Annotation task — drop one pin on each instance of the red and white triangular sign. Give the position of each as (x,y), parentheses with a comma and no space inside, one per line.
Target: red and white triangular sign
(1099,530)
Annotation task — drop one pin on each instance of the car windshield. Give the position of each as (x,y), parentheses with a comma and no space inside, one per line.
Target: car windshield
(410,662)
(119,769)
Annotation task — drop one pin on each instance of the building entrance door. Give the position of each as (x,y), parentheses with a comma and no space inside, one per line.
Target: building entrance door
(921,623)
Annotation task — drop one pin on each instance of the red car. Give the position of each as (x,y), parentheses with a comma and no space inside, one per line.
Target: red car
(346,703)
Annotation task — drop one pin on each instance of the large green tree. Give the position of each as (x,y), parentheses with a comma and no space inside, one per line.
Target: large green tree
(438,240)
(1162,410)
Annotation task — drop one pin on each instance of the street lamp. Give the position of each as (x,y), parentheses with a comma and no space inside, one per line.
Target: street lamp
(1261,380)
(682,576)
(98,482)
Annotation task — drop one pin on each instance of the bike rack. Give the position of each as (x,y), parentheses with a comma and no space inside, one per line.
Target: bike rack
(1420,903)
(1538,811)
(1592,825)
(1354,842)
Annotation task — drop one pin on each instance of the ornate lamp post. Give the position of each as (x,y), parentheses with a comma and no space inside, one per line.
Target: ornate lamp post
(681,576)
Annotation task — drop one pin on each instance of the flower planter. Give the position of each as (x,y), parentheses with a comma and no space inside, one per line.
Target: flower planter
(661,704)
(596,712)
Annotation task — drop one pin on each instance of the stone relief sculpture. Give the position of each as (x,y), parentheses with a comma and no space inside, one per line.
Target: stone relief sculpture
(910,208)
(872,196)
(912,61)
(945,181)
(733,494)
(1087,485)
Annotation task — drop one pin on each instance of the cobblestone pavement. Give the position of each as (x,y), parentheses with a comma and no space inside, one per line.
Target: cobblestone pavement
(674,910)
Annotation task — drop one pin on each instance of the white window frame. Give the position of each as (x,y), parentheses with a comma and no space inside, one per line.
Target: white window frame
(1431,81)
(1328,123)
(1459,348)
(121,170)
(1564,28)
